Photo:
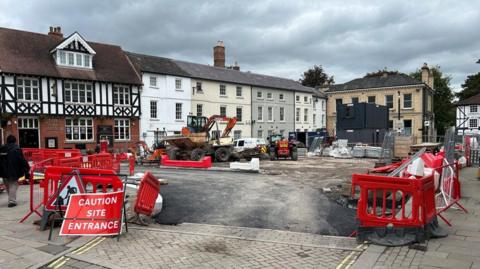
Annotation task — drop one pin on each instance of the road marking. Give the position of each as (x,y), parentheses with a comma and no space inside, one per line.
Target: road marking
(91,246)
(61,264)
(86,245)
(55,262)
(346,263)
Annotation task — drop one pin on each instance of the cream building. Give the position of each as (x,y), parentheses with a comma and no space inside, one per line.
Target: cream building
(410,101)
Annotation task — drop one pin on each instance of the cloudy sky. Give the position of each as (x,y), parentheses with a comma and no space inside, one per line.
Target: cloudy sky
(284,38)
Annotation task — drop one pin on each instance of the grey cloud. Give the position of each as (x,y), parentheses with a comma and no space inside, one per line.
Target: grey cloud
(349,38)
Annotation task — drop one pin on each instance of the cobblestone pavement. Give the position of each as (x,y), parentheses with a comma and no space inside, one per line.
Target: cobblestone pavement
(210,246)
(460,249)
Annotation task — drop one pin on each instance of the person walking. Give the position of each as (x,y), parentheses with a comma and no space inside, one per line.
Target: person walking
(13,166)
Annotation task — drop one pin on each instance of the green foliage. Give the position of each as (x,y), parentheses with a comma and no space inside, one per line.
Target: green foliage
(316,76)
(442,99)
(380,73)
(471,87)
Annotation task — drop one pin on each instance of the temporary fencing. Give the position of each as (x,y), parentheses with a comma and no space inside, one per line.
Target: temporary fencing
(37,155)
(389,205)
(206,162)
(147,194)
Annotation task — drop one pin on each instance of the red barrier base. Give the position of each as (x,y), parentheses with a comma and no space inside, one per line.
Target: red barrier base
(400,236)
(205,163)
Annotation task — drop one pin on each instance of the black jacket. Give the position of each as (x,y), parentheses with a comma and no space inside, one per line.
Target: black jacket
(13,164)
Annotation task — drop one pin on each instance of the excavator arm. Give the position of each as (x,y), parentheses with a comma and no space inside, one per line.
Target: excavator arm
(211,121)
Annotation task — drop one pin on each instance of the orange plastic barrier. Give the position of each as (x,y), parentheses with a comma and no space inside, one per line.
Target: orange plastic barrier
(205,163)
(147,194)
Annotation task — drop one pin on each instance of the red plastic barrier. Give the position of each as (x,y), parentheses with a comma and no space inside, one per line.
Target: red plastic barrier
(37,155)
(36,198)
(205,163)
(95,180)
(387,189)
(99,161)
(147,194)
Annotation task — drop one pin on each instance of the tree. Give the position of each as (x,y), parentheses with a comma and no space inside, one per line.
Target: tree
(316,76)
(442,99)
(471,87)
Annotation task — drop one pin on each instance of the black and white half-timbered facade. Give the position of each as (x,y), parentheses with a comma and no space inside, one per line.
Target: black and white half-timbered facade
(468,116)
(58,92)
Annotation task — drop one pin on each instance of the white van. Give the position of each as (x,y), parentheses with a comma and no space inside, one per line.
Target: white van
(248,143)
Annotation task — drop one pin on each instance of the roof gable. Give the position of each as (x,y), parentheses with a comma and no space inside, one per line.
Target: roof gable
(74,42)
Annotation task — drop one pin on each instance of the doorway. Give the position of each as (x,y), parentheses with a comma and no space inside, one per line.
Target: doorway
(28,133)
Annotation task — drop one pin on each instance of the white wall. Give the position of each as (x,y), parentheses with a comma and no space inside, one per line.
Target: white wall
(303,125)
(319,110)
(463,120)
(166,95)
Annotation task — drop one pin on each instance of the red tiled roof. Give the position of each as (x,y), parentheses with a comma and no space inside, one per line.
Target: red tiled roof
(28,53)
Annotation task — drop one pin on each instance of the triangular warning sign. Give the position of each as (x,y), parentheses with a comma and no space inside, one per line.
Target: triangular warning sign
(71,184)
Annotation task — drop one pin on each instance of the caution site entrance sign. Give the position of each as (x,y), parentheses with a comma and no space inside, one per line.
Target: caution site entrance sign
(93,214)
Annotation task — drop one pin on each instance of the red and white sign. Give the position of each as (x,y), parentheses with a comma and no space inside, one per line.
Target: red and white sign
(69,187)
(93,214)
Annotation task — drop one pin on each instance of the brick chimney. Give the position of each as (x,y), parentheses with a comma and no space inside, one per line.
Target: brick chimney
(56,32)
(427,75)
(219,55)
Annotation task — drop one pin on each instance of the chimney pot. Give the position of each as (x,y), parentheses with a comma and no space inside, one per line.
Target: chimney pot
(56,32)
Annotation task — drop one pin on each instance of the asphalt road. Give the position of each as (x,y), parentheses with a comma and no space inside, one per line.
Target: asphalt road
(249,200)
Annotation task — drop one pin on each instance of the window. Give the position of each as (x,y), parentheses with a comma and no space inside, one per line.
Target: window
(223,90)
(121,95)
(269,96)
(260,134)
(270,113)
(71,58)
(63,57)
(390,124)
(239,113)
(260,113)
(297,98)
(323,105)
(305,99)
(178,111)
(323,120)
(122,129)
(199,110)
(86,60)
(407,127)
(78,92)
(199,87)
(389,101)
(282,114)
(473,109)
(78,129)
(223,111)
(354,100)
(297,114)
(282,132)
(281,97)
(79,58)
(74,59)
(407,100)
(153,81)
(237,134)
(239,91)
(314,119)
(27,123)
(371,99)
(269,133)
(305,116)
(153,109)
(473,123)
(259,95)
(27,89)
(178,84)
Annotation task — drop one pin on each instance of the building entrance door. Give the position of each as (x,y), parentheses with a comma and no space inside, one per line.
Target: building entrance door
(28,133)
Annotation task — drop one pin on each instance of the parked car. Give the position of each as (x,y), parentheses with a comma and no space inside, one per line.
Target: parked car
(248,143)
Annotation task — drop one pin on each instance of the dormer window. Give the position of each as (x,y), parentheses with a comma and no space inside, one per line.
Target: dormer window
(74,51)
(74,59)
